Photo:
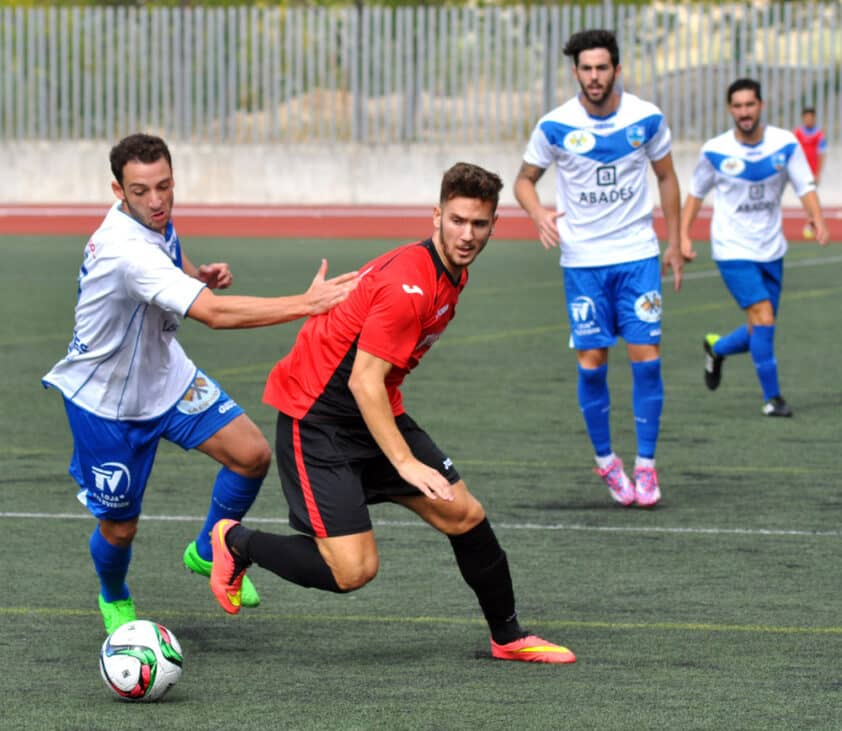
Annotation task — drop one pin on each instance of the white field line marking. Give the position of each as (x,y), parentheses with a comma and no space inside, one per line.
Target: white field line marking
(502,525)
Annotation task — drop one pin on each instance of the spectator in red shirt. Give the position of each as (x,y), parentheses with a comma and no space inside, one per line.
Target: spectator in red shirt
(812,141)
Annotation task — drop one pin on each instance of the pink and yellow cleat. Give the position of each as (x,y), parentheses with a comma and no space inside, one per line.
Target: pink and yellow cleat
(226,582)
(532,649)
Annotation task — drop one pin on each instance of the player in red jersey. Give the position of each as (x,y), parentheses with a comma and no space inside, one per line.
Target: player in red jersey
(814,144)
(344,440)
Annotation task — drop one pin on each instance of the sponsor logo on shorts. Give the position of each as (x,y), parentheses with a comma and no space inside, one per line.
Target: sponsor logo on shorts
(227,406)
(112,481)
(579,141)
(647,307)
(583,316)
(202,394)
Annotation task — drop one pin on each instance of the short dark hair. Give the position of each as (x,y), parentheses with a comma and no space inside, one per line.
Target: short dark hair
(808,110)
(745,85)
(140,147)
(465,180)
(587,40)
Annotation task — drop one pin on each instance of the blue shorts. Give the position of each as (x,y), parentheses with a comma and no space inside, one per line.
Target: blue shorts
(112,459)
(615,300)
(750,282)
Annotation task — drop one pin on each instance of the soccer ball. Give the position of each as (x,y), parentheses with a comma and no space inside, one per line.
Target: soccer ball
(140,661)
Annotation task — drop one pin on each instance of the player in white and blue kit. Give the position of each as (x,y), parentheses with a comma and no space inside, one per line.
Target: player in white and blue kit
(127,383)
(749,167)
(602,143)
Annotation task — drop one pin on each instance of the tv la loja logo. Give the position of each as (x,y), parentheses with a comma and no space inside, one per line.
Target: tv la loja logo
(109,475)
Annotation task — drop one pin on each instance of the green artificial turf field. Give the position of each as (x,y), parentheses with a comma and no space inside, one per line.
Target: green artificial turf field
(719,609)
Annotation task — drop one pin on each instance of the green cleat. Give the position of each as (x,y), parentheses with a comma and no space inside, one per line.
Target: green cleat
(117,613)
(198,565)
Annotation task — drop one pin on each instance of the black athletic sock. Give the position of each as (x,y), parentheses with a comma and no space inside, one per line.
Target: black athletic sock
(485,568)
(295,558)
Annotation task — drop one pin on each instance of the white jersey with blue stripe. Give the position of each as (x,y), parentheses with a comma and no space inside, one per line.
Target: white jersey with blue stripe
(601,178)
(124,361)
(749,182)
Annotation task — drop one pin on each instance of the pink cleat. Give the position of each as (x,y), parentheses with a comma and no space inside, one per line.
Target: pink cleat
(532,649)
(226,582)
(618,482)
(647,492)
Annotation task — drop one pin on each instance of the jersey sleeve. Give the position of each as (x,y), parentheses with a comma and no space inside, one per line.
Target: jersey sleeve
(659,146)
(822,146)
(539,152)
(151,277)
(799,172)
(704,177)
(393,325)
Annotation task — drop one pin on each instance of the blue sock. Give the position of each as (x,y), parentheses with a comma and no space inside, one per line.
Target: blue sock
(232,496)
(763,355)
(111,564)
(595,402)
(647,403)
(734,342)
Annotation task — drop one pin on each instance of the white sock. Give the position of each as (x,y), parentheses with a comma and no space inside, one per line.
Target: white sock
(603,462)
(644,462)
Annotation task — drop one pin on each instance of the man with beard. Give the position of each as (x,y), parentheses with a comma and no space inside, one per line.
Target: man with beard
(602,142)
(127,383)
(344,440)
(749,167)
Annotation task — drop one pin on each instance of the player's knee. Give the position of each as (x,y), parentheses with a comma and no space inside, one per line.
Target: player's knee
(351,577)
(469,516)
(255,461)
(118,533)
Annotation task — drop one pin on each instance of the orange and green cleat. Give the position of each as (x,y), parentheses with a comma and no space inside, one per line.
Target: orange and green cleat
(198,565)
(532,649)
(226,582)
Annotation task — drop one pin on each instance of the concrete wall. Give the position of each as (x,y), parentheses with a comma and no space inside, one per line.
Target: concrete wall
(77,172)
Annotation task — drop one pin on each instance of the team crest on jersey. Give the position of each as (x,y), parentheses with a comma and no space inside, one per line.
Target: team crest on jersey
(636,135)
(779,161)
(732,166)
(201,395)
(579,141)
(647,307)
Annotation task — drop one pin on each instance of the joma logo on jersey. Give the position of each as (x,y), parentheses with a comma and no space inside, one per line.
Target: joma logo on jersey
(109,475)
(414,289)
(579,141)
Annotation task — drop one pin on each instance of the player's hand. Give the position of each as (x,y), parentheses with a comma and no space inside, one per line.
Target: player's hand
(822,232)
(325,294)
(545,221)
(673,259)
(428,480)
(687,250)
(216,276)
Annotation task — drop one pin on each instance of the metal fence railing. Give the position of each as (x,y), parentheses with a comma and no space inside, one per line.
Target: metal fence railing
(409,74)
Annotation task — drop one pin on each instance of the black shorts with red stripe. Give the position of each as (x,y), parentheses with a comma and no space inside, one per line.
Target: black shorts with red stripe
(332,471)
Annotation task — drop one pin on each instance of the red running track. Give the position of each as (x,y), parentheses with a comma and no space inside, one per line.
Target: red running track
(398,223)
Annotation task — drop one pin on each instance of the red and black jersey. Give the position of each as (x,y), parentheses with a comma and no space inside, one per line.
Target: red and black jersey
(401,306)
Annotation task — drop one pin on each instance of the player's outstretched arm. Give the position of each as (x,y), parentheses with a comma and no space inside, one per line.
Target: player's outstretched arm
(238,312)
(367,383)
(216,276)
(527,196)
